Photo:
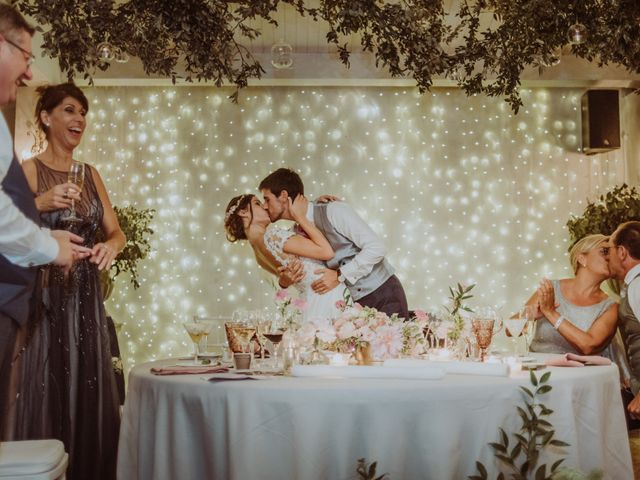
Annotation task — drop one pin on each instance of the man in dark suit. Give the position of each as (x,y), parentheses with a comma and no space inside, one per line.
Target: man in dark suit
(23,244)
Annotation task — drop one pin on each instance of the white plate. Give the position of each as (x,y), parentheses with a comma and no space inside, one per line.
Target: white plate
(526,359)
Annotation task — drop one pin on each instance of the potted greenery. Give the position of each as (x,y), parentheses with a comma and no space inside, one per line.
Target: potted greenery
(135,225)
(605,214)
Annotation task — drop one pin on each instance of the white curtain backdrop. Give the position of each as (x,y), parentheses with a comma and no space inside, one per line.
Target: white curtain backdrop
(460,189)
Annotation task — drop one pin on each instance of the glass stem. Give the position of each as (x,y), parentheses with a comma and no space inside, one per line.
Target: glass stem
(73,207)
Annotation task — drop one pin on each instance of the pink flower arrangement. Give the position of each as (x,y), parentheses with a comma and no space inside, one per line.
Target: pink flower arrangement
(359,325)
(289,307)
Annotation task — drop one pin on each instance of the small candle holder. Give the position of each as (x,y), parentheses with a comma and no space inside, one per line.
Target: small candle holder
(242,361)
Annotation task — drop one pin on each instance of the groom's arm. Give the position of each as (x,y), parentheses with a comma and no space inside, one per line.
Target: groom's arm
(348,223)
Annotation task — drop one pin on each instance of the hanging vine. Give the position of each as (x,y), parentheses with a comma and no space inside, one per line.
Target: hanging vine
(206,40)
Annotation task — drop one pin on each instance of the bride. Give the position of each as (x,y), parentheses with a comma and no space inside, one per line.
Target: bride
(274,247)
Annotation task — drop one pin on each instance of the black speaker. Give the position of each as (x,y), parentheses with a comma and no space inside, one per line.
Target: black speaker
(600,121)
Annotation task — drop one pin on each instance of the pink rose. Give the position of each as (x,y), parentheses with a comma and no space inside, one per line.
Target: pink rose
(421,315)
(299,303)
(282,294)
(387,343)
(341,304)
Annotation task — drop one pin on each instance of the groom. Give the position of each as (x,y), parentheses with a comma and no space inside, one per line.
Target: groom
(359,261)
(624,263)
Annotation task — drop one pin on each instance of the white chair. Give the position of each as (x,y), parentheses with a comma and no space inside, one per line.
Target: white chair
(33,460)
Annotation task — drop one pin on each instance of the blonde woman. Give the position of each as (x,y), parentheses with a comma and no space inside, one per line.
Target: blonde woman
(574,314)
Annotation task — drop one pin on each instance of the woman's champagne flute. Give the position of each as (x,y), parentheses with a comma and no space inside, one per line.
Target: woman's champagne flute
(75,176)
(529,313)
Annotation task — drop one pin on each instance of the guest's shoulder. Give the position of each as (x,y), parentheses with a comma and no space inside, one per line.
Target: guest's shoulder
(29,166)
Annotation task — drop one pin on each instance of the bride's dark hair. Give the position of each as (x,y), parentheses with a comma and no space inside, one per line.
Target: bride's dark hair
(233,224)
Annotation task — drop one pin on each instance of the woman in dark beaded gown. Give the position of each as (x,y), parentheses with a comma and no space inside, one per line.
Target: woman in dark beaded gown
(67,387)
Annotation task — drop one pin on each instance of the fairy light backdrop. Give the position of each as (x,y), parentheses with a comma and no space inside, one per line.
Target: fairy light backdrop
(459,188)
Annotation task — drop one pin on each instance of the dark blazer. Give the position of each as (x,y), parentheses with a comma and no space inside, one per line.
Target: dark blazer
(16,283)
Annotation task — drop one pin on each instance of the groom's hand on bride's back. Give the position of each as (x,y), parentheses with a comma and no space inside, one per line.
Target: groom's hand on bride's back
(328,199)
(327,282)
(291,273)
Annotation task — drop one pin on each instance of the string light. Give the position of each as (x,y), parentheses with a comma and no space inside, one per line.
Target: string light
(460,190)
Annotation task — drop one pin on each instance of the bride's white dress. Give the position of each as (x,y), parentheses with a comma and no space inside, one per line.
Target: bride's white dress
(318,306)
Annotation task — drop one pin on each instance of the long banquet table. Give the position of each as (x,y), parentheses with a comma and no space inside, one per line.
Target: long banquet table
(183,427)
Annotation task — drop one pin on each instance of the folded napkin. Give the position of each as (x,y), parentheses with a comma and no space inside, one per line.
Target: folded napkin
(195,370)
(453,367)
(353,371)
(573,360)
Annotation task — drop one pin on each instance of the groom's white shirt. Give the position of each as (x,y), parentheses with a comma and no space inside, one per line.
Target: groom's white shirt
(633,289)
(348,223)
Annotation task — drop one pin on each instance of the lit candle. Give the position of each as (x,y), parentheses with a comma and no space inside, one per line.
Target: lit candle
(515,365)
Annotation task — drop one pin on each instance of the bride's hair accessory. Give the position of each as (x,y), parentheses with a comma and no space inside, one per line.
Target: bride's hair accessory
(234,207)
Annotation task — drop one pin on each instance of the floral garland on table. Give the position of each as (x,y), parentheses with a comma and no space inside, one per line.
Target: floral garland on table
(387,337)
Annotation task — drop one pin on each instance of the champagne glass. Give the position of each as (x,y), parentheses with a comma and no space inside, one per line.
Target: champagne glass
(528,312)
(262,323)
(244,333)
(514,327)
(196,332)
(75,176)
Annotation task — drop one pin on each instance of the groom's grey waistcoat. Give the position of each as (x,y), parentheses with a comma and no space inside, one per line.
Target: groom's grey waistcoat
(630,331)
(345,250)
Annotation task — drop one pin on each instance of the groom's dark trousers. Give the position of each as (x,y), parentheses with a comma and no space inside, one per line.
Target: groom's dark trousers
(388,298)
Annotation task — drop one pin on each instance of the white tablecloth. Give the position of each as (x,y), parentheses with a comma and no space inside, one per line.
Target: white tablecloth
(182,427)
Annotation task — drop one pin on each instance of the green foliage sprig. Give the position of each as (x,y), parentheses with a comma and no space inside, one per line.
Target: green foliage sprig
(520,458)
(368,472)
(457,300)
(135,225)
(206,40)
(617,206)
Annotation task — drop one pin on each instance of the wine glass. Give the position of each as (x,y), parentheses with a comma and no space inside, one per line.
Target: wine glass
(75,176)
(275,337)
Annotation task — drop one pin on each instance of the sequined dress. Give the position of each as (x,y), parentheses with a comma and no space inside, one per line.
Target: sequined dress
(67,384)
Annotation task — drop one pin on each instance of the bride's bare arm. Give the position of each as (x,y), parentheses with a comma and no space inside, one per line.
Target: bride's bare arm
(316,246)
